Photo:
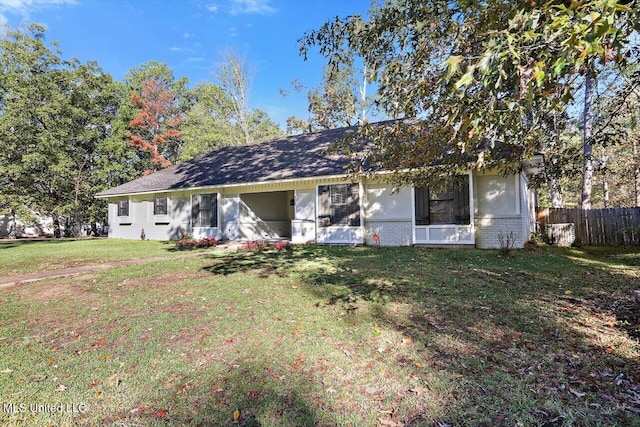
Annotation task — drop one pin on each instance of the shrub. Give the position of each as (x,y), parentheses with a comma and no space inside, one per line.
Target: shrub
(507,242)
(207,242)
(187,242)
(255,245)
(282,245)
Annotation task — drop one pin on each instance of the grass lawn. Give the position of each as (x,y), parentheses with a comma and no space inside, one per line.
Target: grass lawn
(328,336)
(29,256)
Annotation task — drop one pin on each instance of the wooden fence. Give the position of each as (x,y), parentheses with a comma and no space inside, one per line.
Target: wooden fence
(614,226)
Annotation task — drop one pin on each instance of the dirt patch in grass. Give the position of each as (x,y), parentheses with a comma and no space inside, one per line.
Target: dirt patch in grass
(79,288)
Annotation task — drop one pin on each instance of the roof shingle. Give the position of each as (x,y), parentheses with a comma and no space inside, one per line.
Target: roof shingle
(298,156)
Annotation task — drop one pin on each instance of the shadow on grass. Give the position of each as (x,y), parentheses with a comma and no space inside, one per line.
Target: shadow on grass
(17,243)
(248,388)
(511,328)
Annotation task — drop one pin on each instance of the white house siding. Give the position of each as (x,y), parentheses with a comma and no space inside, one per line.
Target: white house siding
(388,214)
(501,208)
(498,205)
(37,225)
(156,227)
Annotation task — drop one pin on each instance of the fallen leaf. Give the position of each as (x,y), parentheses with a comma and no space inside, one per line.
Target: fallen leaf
(98,393)
(162,413)
(297,332)
(577,393)
(61,387)
(51,361)
(418,390)
(6,371)
(236,415)
(94,383)
(389,423)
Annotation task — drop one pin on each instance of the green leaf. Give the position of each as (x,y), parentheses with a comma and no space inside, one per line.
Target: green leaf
(452,64)
(558,66)
(465,80)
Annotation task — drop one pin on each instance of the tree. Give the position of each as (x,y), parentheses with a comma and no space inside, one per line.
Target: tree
(236,84)
(211,123)
(616,131)
(208,124)
(157,123)
(342,100)
(54,115)
(157,102)
(252,125)
(479,75)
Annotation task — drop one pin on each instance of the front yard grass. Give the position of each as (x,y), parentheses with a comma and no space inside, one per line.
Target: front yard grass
(30,256)
(329,336)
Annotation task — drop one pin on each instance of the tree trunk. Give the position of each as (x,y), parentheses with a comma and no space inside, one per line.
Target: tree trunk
(636,173)
(56,226)
(555,192)
(605,192)
(587,167)
(13,228)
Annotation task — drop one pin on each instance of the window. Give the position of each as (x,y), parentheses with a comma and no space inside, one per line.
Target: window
(123,207)
(204,210)
(160,206)
(339,204)
(450,206)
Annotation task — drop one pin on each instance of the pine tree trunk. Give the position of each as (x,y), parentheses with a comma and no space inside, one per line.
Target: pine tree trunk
(587,168)
(636,173)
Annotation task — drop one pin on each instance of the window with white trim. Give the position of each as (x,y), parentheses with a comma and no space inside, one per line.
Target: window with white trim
(123,207)
(339,204)
(449,206)
(204,210)
(160,206)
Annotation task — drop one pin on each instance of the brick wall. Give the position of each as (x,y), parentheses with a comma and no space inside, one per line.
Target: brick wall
(489,228)
(391,232)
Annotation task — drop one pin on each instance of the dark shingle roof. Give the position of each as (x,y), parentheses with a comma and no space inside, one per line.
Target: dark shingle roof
(298,156)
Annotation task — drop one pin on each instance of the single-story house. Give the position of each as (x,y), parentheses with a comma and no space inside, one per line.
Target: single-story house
(290,188)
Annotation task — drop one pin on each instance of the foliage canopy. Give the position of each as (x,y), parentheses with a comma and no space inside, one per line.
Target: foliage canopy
(481,76)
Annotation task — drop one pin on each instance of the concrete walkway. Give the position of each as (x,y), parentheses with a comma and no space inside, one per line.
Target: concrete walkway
(8,281)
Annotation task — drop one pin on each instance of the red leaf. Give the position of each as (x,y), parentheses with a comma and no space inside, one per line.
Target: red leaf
(162,413)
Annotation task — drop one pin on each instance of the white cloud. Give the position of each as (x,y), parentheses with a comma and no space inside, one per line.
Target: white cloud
(195,59)
(187,35)
(175,49)
(213,8)
(25,7)
(251,7)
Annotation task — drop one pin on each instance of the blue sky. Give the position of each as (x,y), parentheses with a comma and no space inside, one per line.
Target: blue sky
(189,36)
